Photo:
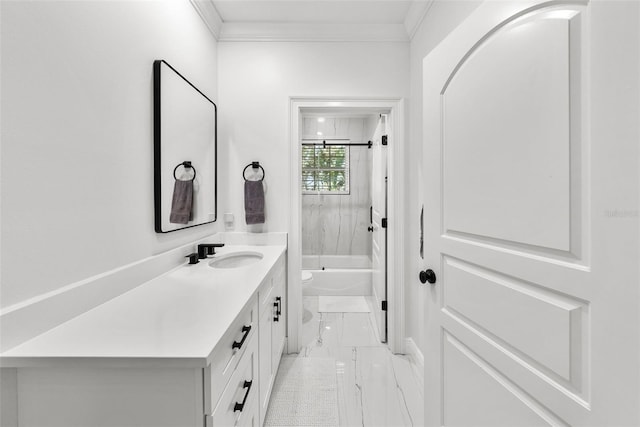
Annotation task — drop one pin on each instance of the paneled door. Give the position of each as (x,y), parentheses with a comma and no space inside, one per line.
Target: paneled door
(531,195)
(378,212)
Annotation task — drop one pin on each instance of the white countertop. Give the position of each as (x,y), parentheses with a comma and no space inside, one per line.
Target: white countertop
(176,319)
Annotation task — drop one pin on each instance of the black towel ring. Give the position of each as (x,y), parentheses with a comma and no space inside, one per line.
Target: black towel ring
(254,165)
(187,165)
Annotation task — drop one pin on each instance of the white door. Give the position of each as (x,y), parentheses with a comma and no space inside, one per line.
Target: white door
(378,212)
(531,212)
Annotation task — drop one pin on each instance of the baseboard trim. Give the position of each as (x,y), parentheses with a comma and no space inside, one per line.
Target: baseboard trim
(416,358)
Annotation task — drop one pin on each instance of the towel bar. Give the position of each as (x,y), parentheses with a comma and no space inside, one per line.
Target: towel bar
(254,165)
(187,165)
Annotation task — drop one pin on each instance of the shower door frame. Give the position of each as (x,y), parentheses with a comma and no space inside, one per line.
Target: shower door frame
(394,108)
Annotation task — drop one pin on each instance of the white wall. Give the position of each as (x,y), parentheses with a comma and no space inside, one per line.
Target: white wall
(443,16)
(77,141)
(256,80)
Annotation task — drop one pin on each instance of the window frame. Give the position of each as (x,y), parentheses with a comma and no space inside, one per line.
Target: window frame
(346,169)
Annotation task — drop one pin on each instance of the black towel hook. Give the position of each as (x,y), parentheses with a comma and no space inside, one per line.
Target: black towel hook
(254,165)
(187,165)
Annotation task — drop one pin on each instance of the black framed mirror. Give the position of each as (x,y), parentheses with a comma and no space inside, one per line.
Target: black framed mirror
(185,152)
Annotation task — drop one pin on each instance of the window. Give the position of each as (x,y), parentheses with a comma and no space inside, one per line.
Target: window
(325,169)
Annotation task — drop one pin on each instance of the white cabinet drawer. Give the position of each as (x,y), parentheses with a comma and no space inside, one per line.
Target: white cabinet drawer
(237,405)
(229,351)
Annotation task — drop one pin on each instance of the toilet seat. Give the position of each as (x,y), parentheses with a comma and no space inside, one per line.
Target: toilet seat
(306,276)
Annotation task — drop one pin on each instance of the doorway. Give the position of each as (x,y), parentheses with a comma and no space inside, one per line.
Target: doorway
(390,113)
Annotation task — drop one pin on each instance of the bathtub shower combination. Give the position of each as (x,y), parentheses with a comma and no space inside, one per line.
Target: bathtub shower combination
(336,200)
(338,274)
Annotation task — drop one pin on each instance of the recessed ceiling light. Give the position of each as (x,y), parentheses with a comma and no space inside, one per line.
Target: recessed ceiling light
(319,133)
(320,119)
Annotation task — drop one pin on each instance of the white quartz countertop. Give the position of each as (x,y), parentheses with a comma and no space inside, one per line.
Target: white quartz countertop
(176,319)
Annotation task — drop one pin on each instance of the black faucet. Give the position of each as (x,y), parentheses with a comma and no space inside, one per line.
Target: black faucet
(205,249)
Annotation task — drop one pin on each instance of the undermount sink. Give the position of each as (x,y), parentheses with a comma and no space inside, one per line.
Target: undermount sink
(235,260)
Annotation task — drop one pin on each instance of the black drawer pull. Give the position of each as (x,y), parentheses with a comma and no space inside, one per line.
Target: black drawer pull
(246,330)
(239,406)
(278,306)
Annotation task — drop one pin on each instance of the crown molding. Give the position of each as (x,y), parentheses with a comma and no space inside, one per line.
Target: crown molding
(313,32)
(209,14)
(417,11)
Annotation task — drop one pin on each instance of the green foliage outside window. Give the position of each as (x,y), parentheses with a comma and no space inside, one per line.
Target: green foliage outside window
(325,169)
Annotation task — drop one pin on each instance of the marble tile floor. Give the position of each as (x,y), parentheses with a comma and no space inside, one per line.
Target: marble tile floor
(375,387)
(343,304)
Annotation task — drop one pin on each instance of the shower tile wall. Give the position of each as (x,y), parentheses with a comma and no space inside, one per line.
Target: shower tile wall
(353,128)
(337,224)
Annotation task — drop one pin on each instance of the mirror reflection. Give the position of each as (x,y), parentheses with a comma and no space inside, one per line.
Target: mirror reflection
(185,152)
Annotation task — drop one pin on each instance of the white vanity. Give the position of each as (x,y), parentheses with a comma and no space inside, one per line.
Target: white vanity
(197,346)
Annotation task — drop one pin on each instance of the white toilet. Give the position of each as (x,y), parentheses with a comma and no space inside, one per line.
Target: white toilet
(307,278)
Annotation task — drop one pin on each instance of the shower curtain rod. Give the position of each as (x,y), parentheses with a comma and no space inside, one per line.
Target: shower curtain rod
(324,143)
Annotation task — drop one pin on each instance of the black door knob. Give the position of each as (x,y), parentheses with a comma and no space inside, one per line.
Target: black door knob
(370,228)
(427,276)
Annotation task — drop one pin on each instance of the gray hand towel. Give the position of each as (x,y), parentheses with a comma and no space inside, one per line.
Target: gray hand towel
(254,202)
(182,202)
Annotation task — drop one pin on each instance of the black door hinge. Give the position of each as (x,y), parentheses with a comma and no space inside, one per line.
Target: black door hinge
(384,306)
(384,222)
(384,140)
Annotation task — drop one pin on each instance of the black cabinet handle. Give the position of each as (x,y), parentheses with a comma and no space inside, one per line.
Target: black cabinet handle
(246,330)
(277,305)
(239,406)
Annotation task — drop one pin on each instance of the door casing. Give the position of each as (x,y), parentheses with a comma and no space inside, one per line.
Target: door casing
(394,107)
